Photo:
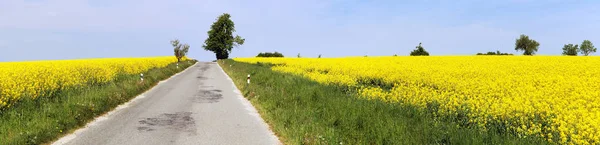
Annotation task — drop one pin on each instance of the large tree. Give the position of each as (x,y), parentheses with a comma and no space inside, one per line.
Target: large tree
(180,50)
(419,51)
(570,49)
(220,37)
(587,47)
(528,46)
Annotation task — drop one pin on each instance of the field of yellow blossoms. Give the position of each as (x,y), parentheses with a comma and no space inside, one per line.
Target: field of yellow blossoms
(553,97)
(43,78)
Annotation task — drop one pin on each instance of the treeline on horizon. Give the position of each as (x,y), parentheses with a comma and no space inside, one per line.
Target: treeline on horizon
(523,43)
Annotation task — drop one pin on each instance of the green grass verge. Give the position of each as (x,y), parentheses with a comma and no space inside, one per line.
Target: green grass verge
(301,111)
(47,118)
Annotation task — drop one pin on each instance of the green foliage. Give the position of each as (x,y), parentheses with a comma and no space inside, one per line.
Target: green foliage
(269,54)
(528,46)
(570,49)
(494,53)
(298,55)
(319,56)
(419,51)
(220,37)
(180,50)
(587,47)
(238,41)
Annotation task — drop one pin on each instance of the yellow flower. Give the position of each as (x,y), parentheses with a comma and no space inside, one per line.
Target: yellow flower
(43,78)
(534,96)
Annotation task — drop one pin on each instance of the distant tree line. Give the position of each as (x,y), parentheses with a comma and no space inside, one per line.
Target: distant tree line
(269,54)
(221,41)
(523,43)
(529,47)
(494,53)
(586,48)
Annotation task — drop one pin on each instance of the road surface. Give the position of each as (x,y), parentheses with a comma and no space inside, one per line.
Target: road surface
(198,106)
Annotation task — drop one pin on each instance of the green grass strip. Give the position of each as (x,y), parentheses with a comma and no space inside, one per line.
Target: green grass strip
(301,111)
(47,118)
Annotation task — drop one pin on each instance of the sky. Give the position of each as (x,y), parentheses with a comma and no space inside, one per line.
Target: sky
(75,29)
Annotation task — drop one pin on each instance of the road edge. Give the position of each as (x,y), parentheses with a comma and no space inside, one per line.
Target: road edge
(67,138)
(250,108)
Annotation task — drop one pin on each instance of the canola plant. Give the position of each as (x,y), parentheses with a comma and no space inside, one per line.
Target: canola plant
(556,98)
(44,78)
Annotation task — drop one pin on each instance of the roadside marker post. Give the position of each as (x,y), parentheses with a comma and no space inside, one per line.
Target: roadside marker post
(248,79)
(177,65)
(142,77)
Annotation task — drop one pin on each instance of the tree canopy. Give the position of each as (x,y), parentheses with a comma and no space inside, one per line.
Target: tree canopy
(528,46)
(587,47)
(179,49)
(220,37)
(419,51)
(570,49)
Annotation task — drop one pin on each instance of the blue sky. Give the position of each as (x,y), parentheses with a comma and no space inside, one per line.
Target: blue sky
(71,29)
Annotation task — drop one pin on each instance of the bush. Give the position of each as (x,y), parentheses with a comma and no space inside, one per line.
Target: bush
(419,51)
(570,49)
(269,54)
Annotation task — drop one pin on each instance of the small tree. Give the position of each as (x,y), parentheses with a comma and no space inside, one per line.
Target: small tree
(587,47)
(180,50)
(419,51)
(319,55)
(528,46)
(570,49)
(298,55)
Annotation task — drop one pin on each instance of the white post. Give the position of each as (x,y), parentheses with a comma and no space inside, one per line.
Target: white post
(177,65)
(142,77)
(248,79)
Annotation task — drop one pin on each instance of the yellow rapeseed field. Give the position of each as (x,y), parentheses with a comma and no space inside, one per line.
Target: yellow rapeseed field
(553,97)
(42,78)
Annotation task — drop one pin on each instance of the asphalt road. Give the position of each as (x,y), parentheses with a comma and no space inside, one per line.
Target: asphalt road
(198,106)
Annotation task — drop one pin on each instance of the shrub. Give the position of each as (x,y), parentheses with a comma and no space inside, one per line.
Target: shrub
(570,49)
(269,54)
(419,51)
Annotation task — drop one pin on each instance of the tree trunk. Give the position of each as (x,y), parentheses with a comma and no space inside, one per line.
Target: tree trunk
(222,54)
